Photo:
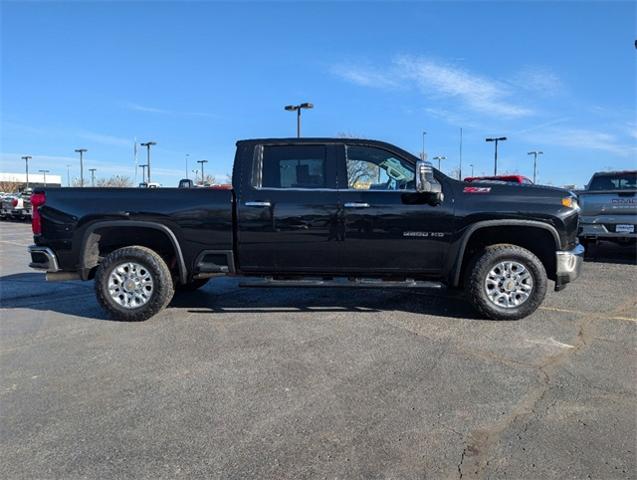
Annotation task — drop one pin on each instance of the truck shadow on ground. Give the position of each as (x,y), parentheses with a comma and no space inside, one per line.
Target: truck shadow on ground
(607,252)
(331,300)
(223,296)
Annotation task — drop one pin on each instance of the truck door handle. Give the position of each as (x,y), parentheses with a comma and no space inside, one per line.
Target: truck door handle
(356,205)
(258,204)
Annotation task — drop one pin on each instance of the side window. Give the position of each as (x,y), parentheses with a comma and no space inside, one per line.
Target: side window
(293,166)
(371,168)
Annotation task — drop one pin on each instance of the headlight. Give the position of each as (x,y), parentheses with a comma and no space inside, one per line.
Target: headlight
(570,202)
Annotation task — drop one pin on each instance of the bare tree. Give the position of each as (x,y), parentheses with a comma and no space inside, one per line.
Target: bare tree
(9,186)
(209,180)
(361,173)
(116,181)
(454,173)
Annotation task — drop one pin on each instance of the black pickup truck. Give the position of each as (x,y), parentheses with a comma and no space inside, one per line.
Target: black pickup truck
(320,212)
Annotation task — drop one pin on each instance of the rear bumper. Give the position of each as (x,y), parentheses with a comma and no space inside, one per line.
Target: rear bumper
(605,226)
(43,258)
(569,265)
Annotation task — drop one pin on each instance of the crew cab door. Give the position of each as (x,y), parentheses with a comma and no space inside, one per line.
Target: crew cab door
(287,210)
(388,226)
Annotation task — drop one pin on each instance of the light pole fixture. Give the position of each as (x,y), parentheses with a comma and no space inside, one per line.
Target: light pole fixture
(471,165)
(143,167)
(44,172)
(92,170)
(297,109)
(148,145)
(422,155)
(203,178)
(439,158)
(496,140)
(81,151)
(26,159)
(535,153)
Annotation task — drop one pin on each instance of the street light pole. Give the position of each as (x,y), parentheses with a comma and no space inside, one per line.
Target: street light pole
(26,159)
(203,178)
(187,156)
(471,165)
(92,170)
(496,140)
(297,109)
(143,167)
(422,156)
(535,153)
(68,175)
(81,151)
(44,172)
(439,158)
(148,145)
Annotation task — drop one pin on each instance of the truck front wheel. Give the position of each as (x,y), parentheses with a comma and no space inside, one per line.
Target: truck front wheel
(133,284)
(506,282)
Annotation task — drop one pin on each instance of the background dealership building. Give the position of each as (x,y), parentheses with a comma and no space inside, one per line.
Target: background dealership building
(15,182)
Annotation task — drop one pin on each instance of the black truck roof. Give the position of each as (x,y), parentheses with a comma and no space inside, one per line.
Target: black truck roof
(324,140)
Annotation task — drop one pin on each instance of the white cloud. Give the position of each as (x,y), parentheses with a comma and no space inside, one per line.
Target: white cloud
(147,109)
(478,92)
(538,79)
(435,79)
(584,139)
(364,76)
(67,133)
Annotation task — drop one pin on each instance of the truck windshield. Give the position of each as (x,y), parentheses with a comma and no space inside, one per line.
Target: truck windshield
(614,181)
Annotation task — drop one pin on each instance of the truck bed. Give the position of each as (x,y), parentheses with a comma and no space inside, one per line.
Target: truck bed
(200,218)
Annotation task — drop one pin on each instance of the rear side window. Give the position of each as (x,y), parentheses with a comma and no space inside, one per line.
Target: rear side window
(293,166)
(614,181)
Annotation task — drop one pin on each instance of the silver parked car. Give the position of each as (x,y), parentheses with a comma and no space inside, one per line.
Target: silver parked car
(609,208)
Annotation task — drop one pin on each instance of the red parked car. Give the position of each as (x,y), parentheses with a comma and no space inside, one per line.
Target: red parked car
(519,179)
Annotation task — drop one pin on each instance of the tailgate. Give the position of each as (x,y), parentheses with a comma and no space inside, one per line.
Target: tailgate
(609,202)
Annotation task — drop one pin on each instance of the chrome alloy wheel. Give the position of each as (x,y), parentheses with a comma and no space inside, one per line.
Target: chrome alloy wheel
(508,284)
(130,285)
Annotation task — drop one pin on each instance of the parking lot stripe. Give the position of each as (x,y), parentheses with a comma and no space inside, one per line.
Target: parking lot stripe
(14,243)
(564,310)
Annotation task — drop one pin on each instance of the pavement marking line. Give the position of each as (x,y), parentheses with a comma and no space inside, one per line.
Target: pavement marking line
(551,342)
(564,310)
(14,243)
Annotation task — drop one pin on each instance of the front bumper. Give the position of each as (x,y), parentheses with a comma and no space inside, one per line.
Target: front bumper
(43,258)
(568,266)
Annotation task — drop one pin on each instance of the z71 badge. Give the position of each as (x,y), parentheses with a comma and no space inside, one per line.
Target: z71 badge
(476,189)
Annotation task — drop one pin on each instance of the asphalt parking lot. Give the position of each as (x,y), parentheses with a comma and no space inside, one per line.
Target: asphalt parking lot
(276,383)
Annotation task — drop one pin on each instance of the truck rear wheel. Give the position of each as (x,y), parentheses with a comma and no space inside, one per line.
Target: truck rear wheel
(133,284)
(506,282)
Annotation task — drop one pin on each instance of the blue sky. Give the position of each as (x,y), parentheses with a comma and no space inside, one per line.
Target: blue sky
(197,76)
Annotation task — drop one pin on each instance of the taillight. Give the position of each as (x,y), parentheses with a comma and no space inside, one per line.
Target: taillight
(37,200)
(14,202)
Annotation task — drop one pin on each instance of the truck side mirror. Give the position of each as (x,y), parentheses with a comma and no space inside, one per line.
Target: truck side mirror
(426,182)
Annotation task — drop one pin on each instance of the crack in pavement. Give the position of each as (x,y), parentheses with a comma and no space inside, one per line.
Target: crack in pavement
(482,440)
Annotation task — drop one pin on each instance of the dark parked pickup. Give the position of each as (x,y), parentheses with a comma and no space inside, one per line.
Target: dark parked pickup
(313,213)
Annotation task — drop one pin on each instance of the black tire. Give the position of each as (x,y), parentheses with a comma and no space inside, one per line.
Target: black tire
(482,264)
(162,283)
(192,285)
